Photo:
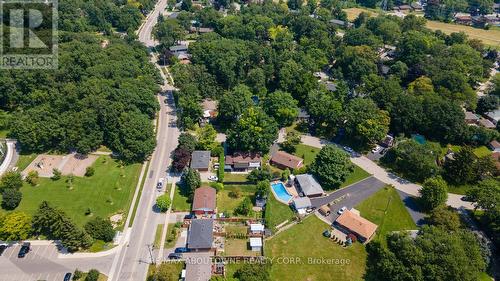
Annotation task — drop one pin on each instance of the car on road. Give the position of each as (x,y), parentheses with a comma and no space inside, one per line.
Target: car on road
(2,248)
(213,178)
(174,256)
(67,276)
(342,210)
(160,183)
(25,248)
(181,250)
(348,149)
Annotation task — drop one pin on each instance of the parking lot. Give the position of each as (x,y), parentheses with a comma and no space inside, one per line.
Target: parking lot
(43,263)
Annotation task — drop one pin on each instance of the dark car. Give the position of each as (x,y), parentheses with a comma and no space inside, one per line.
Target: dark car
(181,250)
(25,248)
(174,256)
(189,217)
(2,249)
(67,276)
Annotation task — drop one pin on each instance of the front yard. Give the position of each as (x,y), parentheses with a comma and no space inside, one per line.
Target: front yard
(108,191)
(181,201)
(305,243)
(386,209)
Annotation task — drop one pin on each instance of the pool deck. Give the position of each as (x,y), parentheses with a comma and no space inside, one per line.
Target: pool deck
(288,189)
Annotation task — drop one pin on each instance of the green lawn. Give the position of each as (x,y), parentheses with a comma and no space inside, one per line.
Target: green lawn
(172,234)
(3,133)
(386,209)
(24,160)
(108,191)
(235,229)
(159,231)
(308,153)
(478,151)
(171,269)
(181,202)
(458,189)
(233,177)
(304,241)
(225,203)
(238,247)
(357,175)
(276,212)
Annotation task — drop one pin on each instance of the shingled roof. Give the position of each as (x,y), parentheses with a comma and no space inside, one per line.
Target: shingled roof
(200,234)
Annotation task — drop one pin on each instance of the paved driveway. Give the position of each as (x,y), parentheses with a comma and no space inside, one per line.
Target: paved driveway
(349,196)
(412,207)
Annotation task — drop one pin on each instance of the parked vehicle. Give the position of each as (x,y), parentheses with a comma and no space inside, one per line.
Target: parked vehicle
(25,248)
(213,178)
(376,149)
(348,149)
(67,276)
(189,217)
(342,210)
(2,248)
(181,250)
(174,256)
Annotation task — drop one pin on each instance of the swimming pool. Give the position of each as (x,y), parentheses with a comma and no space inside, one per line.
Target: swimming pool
(280,191)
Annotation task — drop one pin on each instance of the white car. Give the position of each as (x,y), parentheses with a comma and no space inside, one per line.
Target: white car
(213,178)
(348,149)
(376,149)
(160,183)
(342,210)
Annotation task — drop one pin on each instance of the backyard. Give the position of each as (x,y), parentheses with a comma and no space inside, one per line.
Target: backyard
(232,195)
(276,212)
(386,209)
(238,247)
(107,192)
(304,241)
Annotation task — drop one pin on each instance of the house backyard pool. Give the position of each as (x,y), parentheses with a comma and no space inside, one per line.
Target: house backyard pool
(281,193)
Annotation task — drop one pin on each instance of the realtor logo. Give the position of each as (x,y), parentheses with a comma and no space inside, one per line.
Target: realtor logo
(28,34)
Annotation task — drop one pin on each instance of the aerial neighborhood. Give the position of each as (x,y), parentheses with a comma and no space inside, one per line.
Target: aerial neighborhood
(250,140)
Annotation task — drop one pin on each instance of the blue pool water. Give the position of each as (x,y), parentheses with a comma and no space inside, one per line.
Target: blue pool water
(280,191)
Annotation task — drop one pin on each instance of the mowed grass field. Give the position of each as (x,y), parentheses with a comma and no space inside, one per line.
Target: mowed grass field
(489,37)
(305,241)
(108,191)
(226,203)
(386,209)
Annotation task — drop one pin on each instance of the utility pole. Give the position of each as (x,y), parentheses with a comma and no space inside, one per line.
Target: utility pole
(151,253)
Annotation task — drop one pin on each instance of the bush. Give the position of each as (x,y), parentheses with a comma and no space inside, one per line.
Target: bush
(244,207)
(77,274)
(434,193)
(11,180)
(56,174)
(11,198)
(235,193)
(93,275)
(89,171)
(259,175)
(217,185)
(220,171)
(100,229)
(163,202)
(32,178)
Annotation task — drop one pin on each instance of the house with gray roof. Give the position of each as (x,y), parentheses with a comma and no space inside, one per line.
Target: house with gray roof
(200,235)
(301,204)
(200,160)
(307,185)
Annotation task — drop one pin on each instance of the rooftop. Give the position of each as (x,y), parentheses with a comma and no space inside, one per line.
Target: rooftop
(471,116)
(302,202)
(287,159)
(255,242)
(204,199)
(242,157)
(357,224)
(200,235)
(309,185)
(495,144)
(256,227)
(200,159)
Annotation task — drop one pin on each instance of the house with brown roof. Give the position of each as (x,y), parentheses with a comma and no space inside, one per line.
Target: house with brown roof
(471,118)
(284,160)
(350,222)
(494,146)
(486,123)
(242,162)
(204,201)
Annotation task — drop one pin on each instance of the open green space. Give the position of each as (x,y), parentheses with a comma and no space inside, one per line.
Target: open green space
(308,153)
(168,270)
(172,234)
(238,247)
(159,231)
(108,191)
(276,212)
(139,193)
(235,228)
(181,201)
(235,177)
(226,203)
(357,175)
(305,241)
(480,151)
(24,160)
(386,209)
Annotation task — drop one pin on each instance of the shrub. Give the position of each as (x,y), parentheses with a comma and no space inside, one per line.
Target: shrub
(235,193)
(32,178)
(89,171)
(163,202)
(77,274)
(100,229)
(259,175)
(11,180)
(244,207)
(217,185)
(56,174)
(220,171)
(93,275)
(11,198)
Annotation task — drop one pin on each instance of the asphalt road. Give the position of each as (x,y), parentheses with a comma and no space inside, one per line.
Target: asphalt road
(349,196)
(132,261)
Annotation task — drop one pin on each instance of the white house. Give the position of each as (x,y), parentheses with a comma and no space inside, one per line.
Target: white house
(256,244)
